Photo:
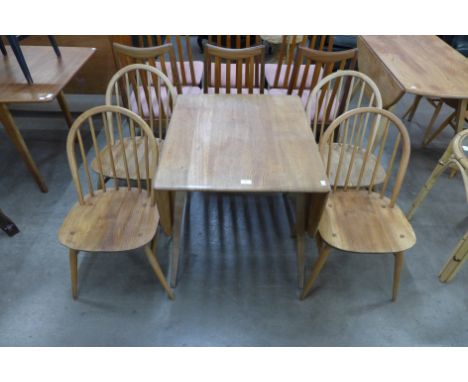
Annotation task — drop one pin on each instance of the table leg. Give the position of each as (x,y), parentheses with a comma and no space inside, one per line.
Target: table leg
(316,207)
(461,114)
(163,201)
(179,204)
(302,203)
(64,106)
(14,134)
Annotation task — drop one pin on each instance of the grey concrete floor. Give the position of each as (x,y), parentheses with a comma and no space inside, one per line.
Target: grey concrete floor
(238,279)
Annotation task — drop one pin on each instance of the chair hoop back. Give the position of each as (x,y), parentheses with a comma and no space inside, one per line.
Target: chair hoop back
(333,95)
(352,134)
(124,150)
(146,91)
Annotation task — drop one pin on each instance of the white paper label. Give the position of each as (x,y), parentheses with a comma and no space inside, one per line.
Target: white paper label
(246,181)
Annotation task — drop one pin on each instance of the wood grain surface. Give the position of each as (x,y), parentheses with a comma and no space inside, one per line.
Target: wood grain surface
(240,143)
(423,65)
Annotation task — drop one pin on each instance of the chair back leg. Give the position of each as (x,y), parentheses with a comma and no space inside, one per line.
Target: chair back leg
(54,44)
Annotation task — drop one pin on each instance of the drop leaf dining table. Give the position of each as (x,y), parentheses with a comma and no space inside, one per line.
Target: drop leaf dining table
(241,144)
(421,65)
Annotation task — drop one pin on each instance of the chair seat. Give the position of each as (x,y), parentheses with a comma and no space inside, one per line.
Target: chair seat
(359,155)
(112,221)
(234,91)
(304,99)
(164,100)
(359,221)
(119,163)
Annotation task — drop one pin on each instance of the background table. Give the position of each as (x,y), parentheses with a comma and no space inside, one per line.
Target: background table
(247,144)
(50,75)
(421,65)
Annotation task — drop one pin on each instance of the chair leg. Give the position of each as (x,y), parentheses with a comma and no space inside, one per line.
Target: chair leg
(438,170)
(324,251)
(399,258)
(456,260)
(54,44)
(157,270)
(73,257)
(15,47)
(2,47)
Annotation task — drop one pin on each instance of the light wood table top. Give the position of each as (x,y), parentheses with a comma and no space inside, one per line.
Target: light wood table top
(50,73)
(422,65)
(240,143)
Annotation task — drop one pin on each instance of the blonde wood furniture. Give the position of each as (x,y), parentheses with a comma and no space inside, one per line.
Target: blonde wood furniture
(363,219)
(331,97)
(50,75)
(246,144)
(115,218)
(145,90)
(421,65)
(234,70)
(154,104)
(455,155)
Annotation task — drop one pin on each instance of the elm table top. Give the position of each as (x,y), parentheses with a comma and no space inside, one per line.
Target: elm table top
(240,143)
(50,73)
(423,65)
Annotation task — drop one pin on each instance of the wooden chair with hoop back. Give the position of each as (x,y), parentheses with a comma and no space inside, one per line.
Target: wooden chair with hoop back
(114,218)
(155,104)
(334,95)
(362,219)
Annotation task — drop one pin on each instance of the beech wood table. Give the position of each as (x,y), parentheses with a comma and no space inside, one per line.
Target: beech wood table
(421,65)
(242,144)
(50,75)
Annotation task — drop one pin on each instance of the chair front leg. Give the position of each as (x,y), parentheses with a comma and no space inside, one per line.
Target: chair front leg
(73,257)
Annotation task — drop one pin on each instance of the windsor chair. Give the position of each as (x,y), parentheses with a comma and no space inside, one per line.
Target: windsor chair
(332,96)
(114,218)
(364,220)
